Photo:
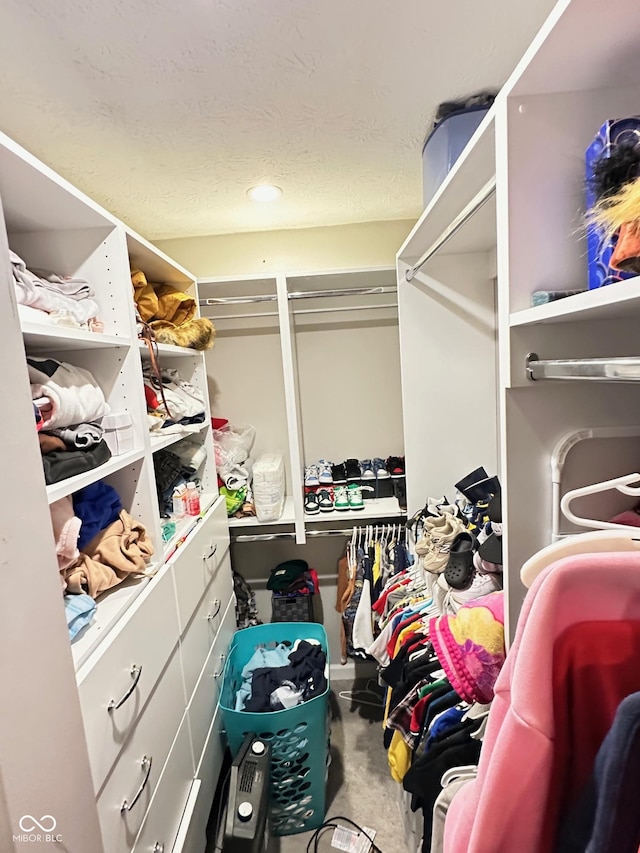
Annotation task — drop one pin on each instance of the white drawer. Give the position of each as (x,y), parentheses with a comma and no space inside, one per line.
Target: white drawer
(196,642)
(192,835)
(152,738)
(196,563)
(163,819)
(205,697)
(131,656)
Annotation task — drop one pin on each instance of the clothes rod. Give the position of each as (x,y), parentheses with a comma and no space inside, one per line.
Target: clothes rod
(302,294)
(461,219)
(592,369)
(306,311)
(269,537)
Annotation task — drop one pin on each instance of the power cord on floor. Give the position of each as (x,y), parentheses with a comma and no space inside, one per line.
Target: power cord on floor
(328,824)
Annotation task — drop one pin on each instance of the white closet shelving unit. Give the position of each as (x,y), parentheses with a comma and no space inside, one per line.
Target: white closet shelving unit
(528,233)
(319,378)
(127,712)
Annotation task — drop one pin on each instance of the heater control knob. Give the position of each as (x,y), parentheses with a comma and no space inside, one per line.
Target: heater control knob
(258,748)
(245,810)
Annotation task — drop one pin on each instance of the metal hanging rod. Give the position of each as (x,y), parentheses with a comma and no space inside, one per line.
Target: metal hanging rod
(346,531)
(306,311)
(302,294)
(593,369)
(478,201)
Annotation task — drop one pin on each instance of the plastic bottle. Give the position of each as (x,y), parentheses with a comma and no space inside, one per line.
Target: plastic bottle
(180,507)
(193,499)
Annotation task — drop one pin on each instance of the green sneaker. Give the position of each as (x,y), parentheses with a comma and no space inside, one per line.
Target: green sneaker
(340,498)
(355,496)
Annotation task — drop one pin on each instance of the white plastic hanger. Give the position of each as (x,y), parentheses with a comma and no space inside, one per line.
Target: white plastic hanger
(621,484)
(594,542)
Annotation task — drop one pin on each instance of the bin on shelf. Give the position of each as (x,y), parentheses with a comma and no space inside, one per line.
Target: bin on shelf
(299,737)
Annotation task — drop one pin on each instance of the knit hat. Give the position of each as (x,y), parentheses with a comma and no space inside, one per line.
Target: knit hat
(470,646)
(285,574)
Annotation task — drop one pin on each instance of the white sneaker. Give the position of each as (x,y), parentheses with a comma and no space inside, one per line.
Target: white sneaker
(482,584)
(312,476)
(441,533)
(325,475)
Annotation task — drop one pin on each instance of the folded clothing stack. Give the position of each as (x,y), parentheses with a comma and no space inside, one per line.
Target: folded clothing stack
(51,298)
(281,677)
(98,546)
(170,314)
(67,401)
(176,467)
(173,405)
(293,577)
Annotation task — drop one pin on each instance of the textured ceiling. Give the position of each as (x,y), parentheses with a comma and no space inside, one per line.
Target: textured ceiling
(166,111)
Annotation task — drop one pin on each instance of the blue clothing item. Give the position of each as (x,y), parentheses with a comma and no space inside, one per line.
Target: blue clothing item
(261,658)
(443,724)
(79,610)
(97,506)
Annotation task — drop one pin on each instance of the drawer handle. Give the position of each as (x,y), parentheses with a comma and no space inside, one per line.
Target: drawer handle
(146,766)
(217,604)
(135,673)
(212,551)
(218,674)
(158,847)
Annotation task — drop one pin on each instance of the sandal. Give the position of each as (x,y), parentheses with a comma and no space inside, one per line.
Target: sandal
(460,570)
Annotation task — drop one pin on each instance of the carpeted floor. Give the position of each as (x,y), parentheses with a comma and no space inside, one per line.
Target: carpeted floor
(359,786)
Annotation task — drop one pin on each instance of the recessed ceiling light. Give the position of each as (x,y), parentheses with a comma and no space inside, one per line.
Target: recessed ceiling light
(264,192)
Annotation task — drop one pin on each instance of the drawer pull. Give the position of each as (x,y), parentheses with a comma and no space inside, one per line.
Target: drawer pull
(212,551)
(135,672)
(158,847)
(219,673)
(146,766)
(217,605)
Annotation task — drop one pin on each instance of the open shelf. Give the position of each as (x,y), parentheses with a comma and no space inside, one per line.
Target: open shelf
(155,264)
(79,481)
(376,508)
(184,526)
(167,349)
(473,169)
(158,442)
(44,337)
(614,301)
(109,610)
(287,517)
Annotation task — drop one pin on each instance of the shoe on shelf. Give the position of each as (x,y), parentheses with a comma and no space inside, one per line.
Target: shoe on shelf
(366,467)
(354,474)
(380,469)
(341,498)
(325,500)
(325,475)
(312,476)
(482,584)
(395,466)
(354,492)
(460,568)
(400,492)
(311,503)
(339,474)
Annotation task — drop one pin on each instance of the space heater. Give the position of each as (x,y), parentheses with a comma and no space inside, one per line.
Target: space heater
(246,825)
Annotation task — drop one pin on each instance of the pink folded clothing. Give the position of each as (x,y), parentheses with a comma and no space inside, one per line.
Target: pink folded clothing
(66,530)
(470,646)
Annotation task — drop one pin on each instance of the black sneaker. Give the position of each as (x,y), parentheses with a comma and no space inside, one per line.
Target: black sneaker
(400,491)
(395,466)
(339,474)
(354,473)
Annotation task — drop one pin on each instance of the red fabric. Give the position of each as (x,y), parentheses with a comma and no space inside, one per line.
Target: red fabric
(595,665)
(418,714)
(391,645)
(150,396)
(316,582)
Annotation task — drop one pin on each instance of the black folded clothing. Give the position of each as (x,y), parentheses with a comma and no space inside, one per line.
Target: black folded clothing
(302,680)
(285,574)
(61,464)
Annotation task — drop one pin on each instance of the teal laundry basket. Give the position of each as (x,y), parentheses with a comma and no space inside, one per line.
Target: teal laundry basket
(299,737)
